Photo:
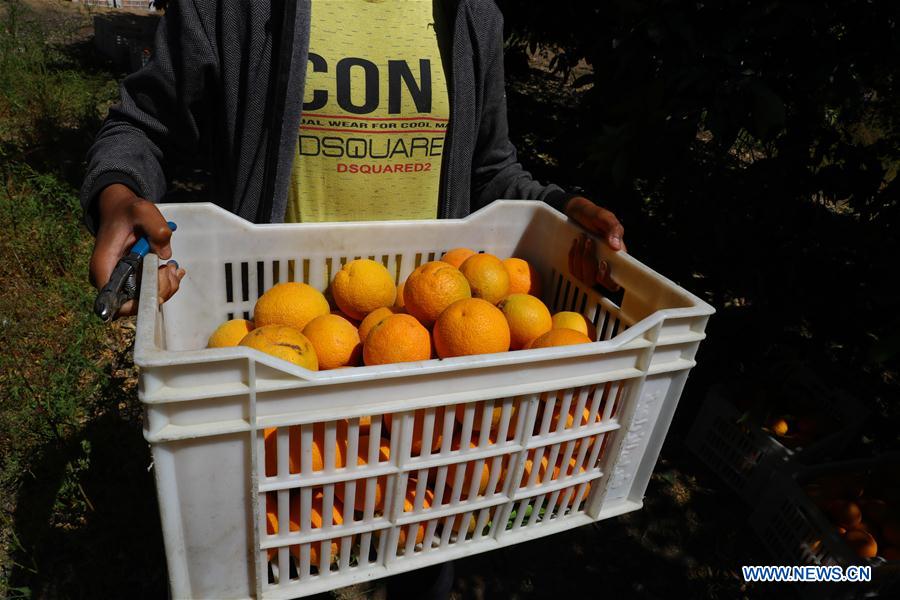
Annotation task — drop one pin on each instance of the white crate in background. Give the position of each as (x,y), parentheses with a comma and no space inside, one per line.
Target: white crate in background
(796,531)
(207,410)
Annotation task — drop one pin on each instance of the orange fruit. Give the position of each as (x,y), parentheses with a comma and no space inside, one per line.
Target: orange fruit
(542,471)
(335,340)
(467,478)
(457,256)
(843,513)
(294,517)
(290,303)
(496,415)
(384,455)
(559,337)
(399,304)
(891,531)
(346,317)
(408,505)
(862,543)
(523,278)
(365,422)
(470,523)
(396,339)
(318,448)
(471,326)
(361,286)
(568,319)
(574,500)
(433,287)
(570,418)
(437,432)
(874,510)
(285,343)
(779,427)
(230,333)
(373,318)
(527,317)
(487,277)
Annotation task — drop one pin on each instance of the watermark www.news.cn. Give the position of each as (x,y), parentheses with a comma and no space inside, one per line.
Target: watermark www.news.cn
(807,573)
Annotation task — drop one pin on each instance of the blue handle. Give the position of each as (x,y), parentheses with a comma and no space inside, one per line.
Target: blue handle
(142,247)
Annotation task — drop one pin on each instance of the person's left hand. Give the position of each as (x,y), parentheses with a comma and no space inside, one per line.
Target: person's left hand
(582,255)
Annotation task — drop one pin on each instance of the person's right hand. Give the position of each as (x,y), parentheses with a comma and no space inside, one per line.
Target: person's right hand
(124,219)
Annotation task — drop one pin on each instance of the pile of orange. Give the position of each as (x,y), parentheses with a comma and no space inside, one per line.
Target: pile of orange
(461,482)
(864,508)
(466,303)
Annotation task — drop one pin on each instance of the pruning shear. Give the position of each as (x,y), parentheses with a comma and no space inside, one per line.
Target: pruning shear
(122,284)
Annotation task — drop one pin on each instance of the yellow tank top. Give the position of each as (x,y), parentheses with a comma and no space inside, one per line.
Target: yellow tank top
(375,113)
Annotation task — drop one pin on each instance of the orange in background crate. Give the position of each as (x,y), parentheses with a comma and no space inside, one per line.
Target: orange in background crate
(864,509)
(294,512)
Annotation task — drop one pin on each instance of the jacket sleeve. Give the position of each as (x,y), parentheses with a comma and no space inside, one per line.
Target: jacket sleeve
(162,113)
(496,171)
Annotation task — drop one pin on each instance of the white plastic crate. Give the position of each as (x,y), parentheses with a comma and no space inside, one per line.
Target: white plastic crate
(208,411)
(796,531)
(732,444)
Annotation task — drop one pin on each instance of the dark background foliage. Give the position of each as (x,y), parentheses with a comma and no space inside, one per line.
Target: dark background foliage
(751,151)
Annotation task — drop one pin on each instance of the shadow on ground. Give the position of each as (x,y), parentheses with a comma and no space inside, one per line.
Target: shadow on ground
(117,550)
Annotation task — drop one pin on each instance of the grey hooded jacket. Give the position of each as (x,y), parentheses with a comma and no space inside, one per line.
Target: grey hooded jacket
(226,79)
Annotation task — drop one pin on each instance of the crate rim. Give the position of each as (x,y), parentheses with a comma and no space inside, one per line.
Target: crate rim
(148,354)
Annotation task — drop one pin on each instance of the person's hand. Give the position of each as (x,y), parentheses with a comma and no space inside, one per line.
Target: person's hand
(582,255)
(125,218)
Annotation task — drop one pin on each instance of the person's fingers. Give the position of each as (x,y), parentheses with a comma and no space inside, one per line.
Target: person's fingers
(166,283)
(576,266)
(604,277)
(109,247)
(170,276)
(589,262)
(572,249)
(610,227)
(127,309)
(148,220)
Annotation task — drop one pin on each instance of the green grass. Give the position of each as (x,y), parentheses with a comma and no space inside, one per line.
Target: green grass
(46,95)
(64,393)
